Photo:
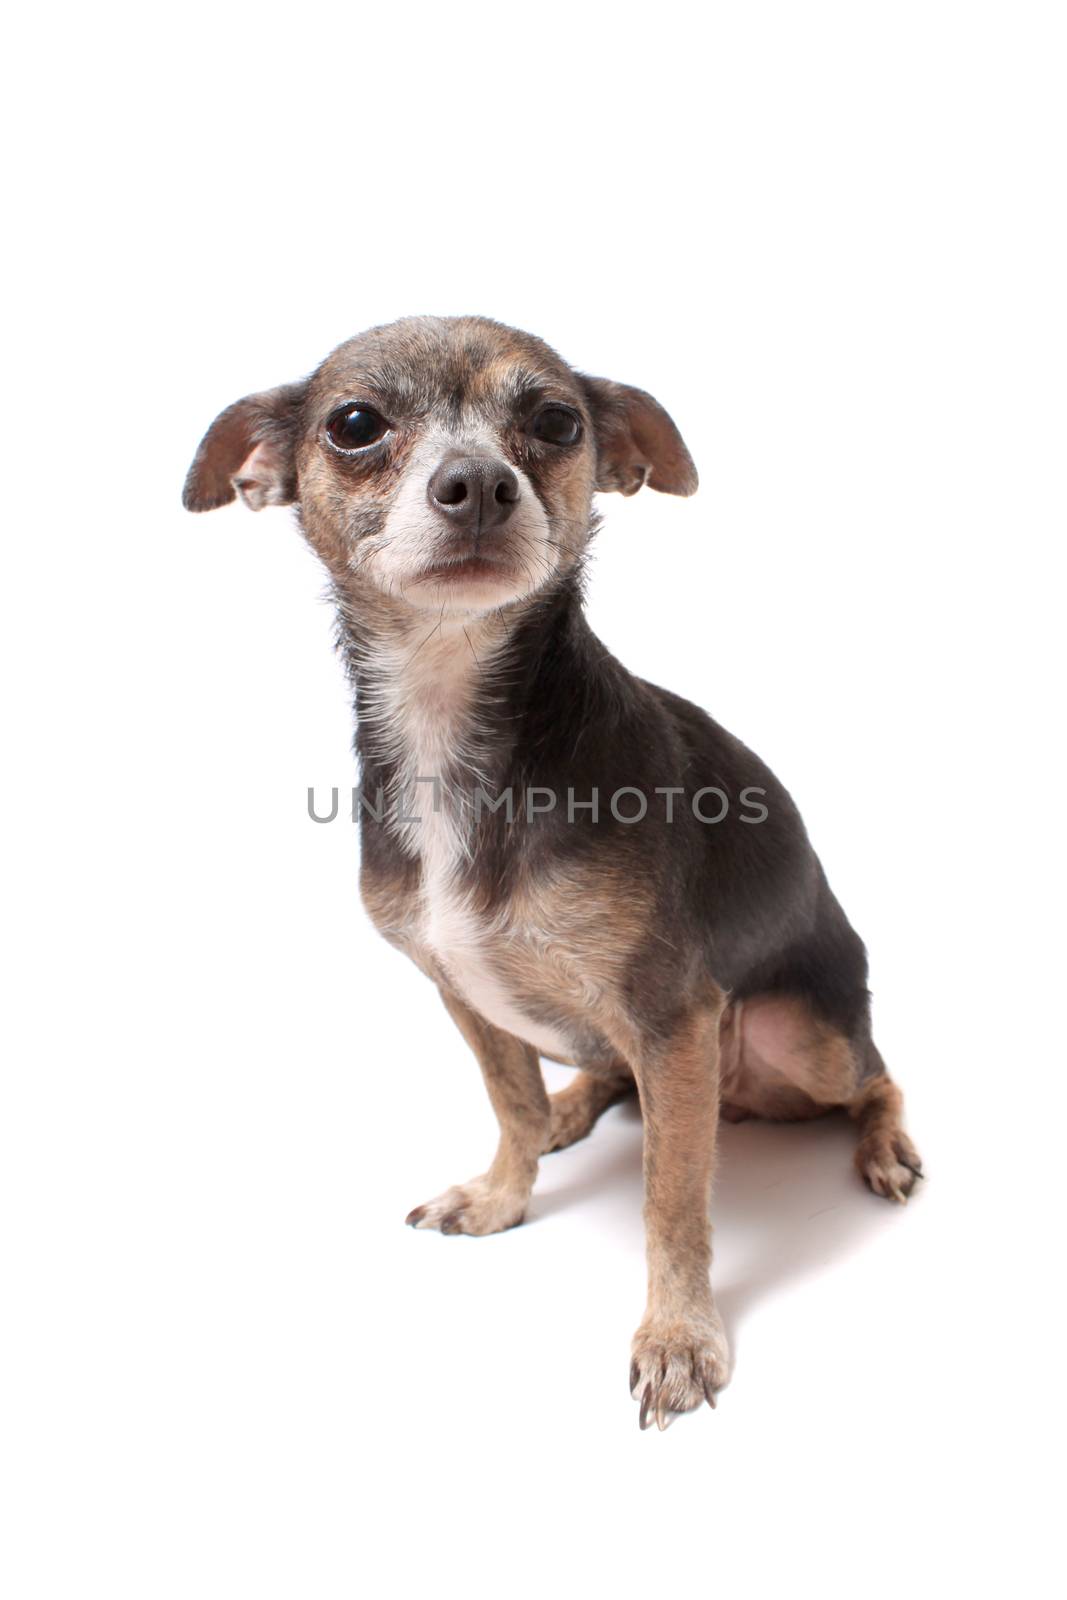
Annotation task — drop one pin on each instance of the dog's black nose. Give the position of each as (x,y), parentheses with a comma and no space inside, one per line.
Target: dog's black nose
(476,493)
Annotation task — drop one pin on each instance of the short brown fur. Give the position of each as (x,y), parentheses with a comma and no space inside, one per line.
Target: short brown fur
(711,969)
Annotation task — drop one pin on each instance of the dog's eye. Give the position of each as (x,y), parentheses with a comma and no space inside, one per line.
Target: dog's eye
(355,427)
(557,425)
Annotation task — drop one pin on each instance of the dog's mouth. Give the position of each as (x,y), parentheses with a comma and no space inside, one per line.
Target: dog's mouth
(467,569)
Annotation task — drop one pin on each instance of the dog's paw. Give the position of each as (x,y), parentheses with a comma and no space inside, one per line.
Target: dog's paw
(677,1366)
(732,1113)
(570,1121)
(889,1164)
(473,1207)
(575,1110)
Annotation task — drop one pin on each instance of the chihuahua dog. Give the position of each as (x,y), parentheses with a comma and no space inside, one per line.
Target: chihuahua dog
(588,867)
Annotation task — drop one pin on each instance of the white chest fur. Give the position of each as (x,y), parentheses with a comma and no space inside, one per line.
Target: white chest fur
(424,706)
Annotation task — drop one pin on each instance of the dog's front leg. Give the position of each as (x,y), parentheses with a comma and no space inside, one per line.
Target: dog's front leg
(680,1354)
(512,1072)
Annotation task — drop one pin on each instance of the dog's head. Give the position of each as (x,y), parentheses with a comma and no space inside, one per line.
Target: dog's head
(447,462)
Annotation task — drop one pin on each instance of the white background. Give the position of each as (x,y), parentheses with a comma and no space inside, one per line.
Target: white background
(830,238)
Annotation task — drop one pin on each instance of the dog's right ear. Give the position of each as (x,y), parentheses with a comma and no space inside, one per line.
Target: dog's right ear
(249,450)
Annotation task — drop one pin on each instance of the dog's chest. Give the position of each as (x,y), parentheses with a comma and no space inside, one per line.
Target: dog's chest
(472,951)
(430,712)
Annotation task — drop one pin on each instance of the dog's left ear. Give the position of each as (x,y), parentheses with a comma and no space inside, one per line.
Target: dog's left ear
(249,450)
(637,443)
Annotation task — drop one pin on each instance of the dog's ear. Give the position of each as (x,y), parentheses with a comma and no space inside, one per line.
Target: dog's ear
(637,443)
(249,450)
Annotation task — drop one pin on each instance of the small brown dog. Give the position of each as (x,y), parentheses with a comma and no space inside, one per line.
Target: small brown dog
(587,866)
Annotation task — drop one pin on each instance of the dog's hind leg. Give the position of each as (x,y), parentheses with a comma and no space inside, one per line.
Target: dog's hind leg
(886,1159)
(782,1062)
(574,1110)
